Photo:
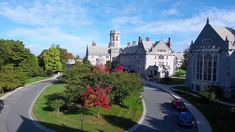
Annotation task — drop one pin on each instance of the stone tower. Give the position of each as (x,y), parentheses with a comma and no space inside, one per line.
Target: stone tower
(114,45)
(114,39)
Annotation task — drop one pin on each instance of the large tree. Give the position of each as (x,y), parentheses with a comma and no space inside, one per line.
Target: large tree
(185,60)
(16,64)
(51,59)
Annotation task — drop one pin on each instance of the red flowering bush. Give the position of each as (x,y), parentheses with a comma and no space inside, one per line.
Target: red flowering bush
(119,68)
(101,68)
(97,97)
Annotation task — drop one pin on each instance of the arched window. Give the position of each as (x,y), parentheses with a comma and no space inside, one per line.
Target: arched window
(214,68)
(207,67)
(199,67)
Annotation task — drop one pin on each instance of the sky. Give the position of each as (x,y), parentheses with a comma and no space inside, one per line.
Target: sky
(74,24)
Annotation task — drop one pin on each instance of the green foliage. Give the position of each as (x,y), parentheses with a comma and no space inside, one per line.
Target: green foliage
(57,104)
(180,72)
(186,59)
(109,64)
(74,90)
(10,80)
(211,93)
(70,73)
(51,59)
(16,64)
(30,66)
(123,85)
(96,79)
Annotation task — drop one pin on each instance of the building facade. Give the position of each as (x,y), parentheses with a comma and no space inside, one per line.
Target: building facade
(212,59)
(100,54)
(149,58)
(144,57)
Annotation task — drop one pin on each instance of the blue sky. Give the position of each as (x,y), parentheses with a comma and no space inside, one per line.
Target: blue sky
(73,24)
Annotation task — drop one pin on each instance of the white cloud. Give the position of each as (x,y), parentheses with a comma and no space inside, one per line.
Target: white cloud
(189,25)
(51,13)
(122,20)
(42,38)
(170,12)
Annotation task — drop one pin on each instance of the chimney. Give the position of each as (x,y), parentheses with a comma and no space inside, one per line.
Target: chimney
(134,43)
(93,43)
(128,44)
(169,42)
(147,39)
(140,41)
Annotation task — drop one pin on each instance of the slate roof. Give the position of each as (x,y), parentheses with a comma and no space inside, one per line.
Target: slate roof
(224,32)
(148,45)
(97,50)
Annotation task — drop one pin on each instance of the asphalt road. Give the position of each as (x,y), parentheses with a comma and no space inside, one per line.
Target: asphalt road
(160,115)
(16,117)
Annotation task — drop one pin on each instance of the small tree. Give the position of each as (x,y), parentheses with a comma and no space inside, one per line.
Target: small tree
(97,97)
(57,104)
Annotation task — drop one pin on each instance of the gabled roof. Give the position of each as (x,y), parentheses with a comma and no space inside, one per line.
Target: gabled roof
(147,45)
(224,32)
(97,50)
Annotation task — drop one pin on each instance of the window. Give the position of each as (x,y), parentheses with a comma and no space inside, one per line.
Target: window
(160,63)
(166,57)
(209,63)
(161,57)
(199,67)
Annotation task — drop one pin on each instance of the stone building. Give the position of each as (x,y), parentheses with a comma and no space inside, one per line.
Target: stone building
(149,58)
(212,59)
(100,54)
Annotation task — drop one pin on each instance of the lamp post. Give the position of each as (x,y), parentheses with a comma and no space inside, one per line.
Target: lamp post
(81,119)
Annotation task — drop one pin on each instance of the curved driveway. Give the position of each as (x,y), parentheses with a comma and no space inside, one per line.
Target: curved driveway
(160,115)
(16,116)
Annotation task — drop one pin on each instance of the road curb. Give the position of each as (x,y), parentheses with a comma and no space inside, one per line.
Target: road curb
(141,120)
(202,125)
(35,121)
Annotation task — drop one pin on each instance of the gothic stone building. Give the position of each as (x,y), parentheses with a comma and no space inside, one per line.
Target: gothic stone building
(145,58)
(212,59)
(149,58)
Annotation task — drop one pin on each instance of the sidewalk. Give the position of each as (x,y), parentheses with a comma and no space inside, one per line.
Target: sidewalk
(202,123)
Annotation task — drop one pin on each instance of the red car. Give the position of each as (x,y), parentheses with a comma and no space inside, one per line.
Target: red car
(179,105)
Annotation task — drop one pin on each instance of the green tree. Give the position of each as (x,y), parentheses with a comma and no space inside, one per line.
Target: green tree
(30,66)
(73,92)
(51,59)
(185,60)
(124,85)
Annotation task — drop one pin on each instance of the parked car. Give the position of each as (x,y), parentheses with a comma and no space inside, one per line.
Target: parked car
(179,105)
(185,119)
(1,104)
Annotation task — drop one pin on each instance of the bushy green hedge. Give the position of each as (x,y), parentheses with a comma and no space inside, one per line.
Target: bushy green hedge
(123,84)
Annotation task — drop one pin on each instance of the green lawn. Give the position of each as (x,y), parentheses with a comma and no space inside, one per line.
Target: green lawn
(220,117)
(35,79)
(115,120)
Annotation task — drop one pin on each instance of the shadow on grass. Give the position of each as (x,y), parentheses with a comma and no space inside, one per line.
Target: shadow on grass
(29,125)
(120,122)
